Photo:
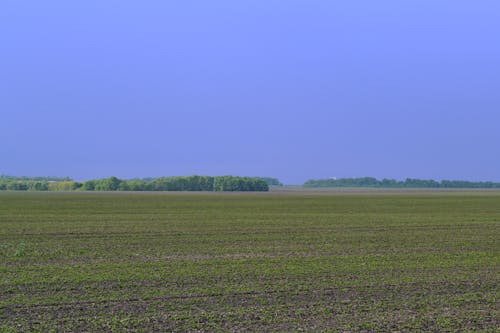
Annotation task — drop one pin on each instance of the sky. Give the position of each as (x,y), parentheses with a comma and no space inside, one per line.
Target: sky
(288,89)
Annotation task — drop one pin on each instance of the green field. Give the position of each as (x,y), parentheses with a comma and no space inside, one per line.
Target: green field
(378,261)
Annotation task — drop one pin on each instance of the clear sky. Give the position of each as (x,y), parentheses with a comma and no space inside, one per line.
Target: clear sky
(289,89)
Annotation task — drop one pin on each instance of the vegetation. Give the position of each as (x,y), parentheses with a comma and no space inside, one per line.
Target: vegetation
(260,262)
(392,183)
(188,183)
(271,181)
(26,178)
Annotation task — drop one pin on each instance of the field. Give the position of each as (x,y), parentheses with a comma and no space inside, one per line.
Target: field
(378,261)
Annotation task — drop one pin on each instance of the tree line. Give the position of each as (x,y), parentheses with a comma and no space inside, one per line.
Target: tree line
(179,183)
(392,183)
(36,178)
(271,181)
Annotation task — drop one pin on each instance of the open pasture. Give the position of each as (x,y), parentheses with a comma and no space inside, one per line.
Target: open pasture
(381,261)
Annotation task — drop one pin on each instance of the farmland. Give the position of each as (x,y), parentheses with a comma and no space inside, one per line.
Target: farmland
(377,261)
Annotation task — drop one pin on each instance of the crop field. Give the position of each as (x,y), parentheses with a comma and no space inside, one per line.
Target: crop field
(257,262)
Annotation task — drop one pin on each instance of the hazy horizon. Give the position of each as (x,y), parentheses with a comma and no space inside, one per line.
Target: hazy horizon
(253,176)
(314,89)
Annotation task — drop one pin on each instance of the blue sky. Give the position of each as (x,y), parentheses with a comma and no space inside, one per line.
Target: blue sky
(290,89)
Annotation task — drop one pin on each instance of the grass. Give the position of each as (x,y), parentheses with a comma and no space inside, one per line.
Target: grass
(377,261)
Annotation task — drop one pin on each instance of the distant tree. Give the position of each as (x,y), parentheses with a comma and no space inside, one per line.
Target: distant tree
(61,186)
(181,183)
(89,185)
(231,183)
(138,185)
(17,186)
(389,183)
(38,186)
(270,181)
(123,186)
(107,184)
